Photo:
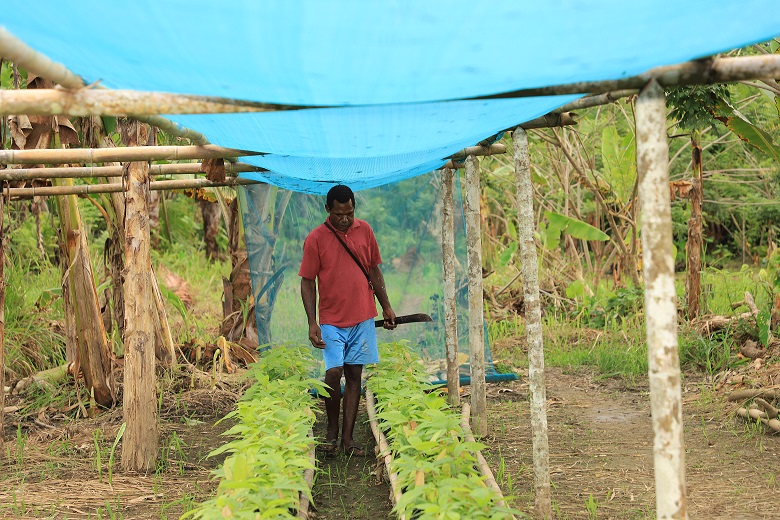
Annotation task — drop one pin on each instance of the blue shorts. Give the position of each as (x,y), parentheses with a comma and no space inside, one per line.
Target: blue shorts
(354,345)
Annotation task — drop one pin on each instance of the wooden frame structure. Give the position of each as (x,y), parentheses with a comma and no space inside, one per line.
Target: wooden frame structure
(665,393)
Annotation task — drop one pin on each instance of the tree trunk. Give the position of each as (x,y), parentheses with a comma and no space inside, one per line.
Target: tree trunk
(660,304)
(533,326)
(693,246)
(476,304)
(94,357)
(449,275)
(210,213)
(139,447)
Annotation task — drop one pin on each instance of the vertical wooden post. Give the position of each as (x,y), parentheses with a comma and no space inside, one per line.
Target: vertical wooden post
(533,325)
(476,318)
(450,306)
(2,314)
(139,447)
(693,245)
(660,304)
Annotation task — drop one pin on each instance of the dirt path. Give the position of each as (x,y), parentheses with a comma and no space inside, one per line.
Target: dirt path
(600,437)
(347,487)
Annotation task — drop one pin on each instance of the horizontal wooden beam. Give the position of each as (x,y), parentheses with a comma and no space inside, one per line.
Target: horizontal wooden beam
(79,172)
(698,72)
(130,103)
(22,55)
(120,154)
(491,149)
(86,189)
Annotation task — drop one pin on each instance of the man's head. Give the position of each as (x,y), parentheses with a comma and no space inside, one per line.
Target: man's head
(340,204)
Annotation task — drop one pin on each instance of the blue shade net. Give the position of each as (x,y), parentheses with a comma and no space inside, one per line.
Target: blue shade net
(406,218)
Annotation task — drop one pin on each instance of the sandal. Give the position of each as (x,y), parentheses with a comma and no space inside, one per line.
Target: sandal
(330,447)
(354,450)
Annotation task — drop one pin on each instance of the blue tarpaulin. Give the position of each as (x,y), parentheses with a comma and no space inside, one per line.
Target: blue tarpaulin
(395,81)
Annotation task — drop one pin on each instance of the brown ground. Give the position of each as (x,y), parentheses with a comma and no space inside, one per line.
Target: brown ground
(600,437)
(600,444)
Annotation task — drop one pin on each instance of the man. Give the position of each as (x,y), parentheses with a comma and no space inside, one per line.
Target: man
(342,257)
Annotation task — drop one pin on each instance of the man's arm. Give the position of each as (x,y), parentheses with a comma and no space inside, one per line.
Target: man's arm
(309,297)
(378,281)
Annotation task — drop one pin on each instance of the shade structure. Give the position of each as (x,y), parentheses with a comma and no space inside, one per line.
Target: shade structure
(396,80)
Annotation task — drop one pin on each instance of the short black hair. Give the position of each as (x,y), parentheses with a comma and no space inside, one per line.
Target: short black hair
(340,193)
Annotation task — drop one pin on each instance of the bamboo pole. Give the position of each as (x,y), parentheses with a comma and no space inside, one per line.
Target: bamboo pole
(476,319)
(533,325)
(308,478)
(490,480)
(85,189)
(121,154)
(79,172)
(660,304)
(384,449)
(2,314)
(139,446)
(450,302)
(698,72)
(126,103)
(479,150)
(22,55)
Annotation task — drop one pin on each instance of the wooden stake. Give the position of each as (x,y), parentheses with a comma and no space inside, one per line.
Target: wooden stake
(476,318)
(2,313)
(448,268)
(124,154)
(533,325)
(139,447)
(80,172)
(484,468)
(384,450)
(308,478)
(660,303)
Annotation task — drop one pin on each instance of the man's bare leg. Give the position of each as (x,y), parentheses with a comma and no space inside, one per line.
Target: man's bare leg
(352,374)
(332,405)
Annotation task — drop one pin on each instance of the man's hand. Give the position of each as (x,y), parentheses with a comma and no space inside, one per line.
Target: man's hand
(315,336)
(389,317)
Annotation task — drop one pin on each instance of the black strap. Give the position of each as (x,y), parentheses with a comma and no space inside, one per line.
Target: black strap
(355,258)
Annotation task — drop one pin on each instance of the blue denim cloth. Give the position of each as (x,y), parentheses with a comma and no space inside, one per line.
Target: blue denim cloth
(354,345)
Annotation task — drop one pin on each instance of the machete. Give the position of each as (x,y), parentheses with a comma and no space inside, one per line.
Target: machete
(408,318)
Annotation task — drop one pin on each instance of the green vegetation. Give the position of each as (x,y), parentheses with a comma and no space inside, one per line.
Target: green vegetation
(264,472)
(436,467)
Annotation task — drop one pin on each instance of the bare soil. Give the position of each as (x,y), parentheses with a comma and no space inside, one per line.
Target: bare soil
(601,446)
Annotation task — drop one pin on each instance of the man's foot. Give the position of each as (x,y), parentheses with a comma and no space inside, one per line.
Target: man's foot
(330,447)
(354,450)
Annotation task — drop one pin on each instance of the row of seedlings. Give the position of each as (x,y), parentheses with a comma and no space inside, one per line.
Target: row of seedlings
(432,465)
(268,472)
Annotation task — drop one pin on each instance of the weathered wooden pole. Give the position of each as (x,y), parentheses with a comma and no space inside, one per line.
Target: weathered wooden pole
(693,246)
(112,187)
(139,447)
(660,304)
(117,171)
(100,155)
(450,302)
(533,325)
(476,318)
(2,314)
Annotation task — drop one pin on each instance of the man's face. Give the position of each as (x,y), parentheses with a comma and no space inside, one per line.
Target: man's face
(342,215)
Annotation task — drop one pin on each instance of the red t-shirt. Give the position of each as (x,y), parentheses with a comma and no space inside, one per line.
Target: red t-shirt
(344,294)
